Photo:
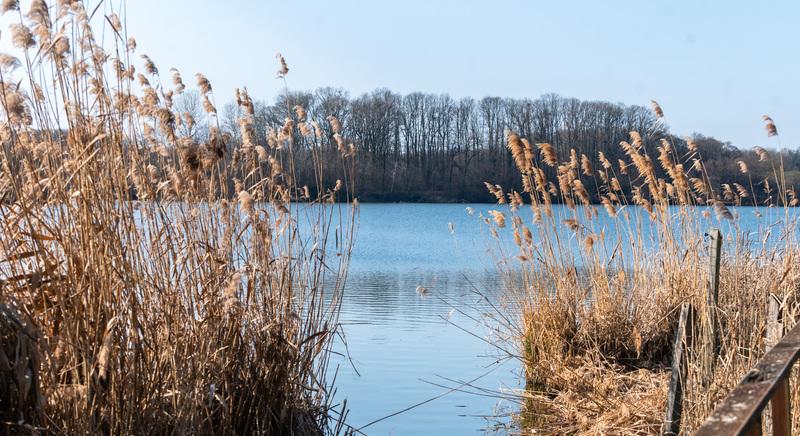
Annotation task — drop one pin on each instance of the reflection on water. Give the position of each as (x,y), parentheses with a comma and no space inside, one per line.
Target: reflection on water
(397,341)
(401,340)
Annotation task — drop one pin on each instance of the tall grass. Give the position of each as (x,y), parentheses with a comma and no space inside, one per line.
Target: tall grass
(598,287)
(154,282)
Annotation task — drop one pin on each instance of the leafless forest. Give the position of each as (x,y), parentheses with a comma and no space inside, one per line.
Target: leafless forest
(435,148)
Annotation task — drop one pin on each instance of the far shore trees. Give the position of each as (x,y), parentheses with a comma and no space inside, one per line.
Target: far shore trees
(424,147)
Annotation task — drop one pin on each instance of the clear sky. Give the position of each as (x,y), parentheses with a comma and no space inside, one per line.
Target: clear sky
(714,66)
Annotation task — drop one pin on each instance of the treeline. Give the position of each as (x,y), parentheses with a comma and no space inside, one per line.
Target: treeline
(434,148)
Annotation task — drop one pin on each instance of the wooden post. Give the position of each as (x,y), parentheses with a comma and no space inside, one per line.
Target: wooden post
(713,286)
(782,409)
(774,322)
(683,339)
(755,428)
(711,342)
(779,415)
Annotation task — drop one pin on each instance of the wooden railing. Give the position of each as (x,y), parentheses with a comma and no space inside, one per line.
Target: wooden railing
(740,413)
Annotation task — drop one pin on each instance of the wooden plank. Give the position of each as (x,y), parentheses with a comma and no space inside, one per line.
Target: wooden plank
(743,406)
(782,410)
(684,333)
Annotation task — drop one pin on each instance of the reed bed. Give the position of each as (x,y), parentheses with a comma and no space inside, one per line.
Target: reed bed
(597,287)
(152,280)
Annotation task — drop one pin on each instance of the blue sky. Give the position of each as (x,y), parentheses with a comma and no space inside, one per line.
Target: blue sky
(714,66)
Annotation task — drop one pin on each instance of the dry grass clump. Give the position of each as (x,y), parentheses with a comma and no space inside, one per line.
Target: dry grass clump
(592,396)
(154,279)
(19,366)
(598,287)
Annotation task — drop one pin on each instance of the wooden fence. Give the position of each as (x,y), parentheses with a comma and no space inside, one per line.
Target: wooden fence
(741,412)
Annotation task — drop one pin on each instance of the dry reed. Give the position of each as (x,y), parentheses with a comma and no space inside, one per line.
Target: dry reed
(597,289)
(136,295)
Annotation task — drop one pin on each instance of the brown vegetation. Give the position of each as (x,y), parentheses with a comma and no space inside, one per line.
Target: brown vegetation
(598,288)
(150,282)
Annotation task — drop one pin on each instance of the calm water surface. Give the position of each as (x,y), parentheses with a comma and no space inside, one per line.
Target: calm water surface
(401,342)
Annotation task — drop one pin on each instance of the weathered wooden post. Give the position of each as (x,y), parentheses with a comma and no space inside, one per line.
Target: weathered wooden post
(711,338)
(712,297)
(774,321)
(781,408)
(780,416)
(756,426)
(684,334)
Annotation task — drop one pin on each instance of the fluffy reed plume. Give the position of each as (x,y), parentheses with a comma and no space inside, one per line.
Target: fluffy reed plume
(304,129)
(741,191)
(604,161)
(722,211)
(283,70)
(762,154)
(515,145)
(336,126)
(149,65)
(498,217)
(586,165)
(340,144)
(300,111)
(246,202)
(317,130)
(769,125)
(21,36)
(8,63)
(656,109)
(548,153)
(691,145)
(636,140)
(203,83)
(609,206)
(153,277)
(742,166)
(39,13)
(177,80)
(595,313)
(116,23)
(9,5)
(497,191)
